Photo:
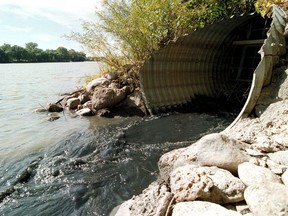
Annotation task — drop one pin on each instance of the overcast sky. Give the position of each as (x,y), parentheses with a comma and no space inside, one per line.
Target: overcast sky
(44,21)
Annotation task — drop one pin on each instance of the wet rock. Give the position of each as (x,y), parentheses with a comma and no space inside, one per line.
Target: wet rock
(212,150)
(284,178)
(73,103)
(53,117)
(252,174)
(96,82)
(40,110)
(85,112)
(52,107)
(201,208)
(266,199)
(212,184)
(106,97)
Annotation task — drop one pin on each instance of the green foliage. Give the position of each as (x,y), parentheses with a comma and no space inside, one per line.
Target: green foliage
(31,53)
(265,6)
(128,31)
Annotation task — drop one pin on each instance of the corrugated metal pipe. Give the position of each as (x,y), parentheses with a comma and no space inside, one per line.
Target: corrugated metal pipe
(228,62)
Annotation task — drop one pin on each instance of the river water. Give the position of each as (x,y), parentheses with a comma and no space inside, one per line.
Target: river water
(84,165)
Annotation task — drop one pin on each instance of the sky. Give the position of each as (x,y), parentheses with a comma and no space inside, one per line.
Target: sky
(44,22)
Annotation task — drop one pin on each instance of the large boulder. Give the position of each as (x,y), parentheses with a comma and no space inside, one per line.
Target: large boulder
(133,105)
(212,150)
(96,82)
(252,174)
(266,199)
(212,184)
(201,208)
(106,97)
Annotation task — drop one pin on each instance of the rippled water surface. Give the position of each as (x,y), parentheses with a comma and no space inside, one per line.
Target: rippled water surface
(78,166)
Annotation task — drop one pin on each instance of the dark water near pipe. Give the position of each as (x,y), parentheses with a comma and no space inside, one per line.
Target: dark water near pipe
(90,165)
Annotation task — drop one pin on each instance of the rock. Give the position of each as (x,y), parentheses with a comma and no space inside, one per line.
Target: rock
(242,208)
(280,157)
(189,183)
(114,85)
(84,98)
(284,178)
(106,97)
(266,199)
(53,117)
(132,105)
(96,82)
(54,108)
(276,167)
(123,209)
(40,110)
(128,89)
(154,200)
(111,76)
(201,208)
(85,112)
(252,174)
(212,150)
(73,103)
(88,104)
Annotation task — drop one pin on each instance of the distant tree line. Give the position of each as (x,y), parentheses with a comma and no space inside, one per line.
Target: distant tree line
(31,53)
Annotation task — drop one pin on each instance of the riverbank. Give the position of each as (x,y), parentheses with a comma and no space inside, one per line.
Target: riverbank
(240,171)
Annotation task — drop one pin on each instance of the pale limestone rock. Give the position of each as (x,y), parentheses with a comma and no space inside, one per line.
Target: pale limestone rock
(201,208)
(276,167)
(280,157)
(252,174)
(96,82)
(212,150)
(123,209)
(154,200)
(266,199)
(284,178)
(206,183)
(73,103)
(188,184)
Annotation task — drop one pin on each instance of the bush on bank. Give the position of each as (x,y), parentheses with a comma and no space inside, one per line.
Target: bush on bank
(126,32)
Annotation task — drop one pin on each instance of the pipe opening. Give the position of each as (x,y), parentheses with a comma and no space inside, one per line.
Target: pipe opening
(208,70)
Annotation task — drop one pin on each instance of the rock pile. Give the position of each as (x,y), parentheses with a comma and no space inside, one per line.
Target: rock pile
(105,96)
(240,171)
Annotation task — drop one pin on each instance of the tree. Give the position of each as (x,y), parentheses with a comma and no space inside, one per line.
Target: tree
(128,31)
(4,58)
(31,46)
(31,53)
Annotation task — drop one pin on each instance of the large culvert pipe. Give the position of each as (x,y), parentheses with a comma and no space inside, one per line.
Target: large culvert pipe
(220,62)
